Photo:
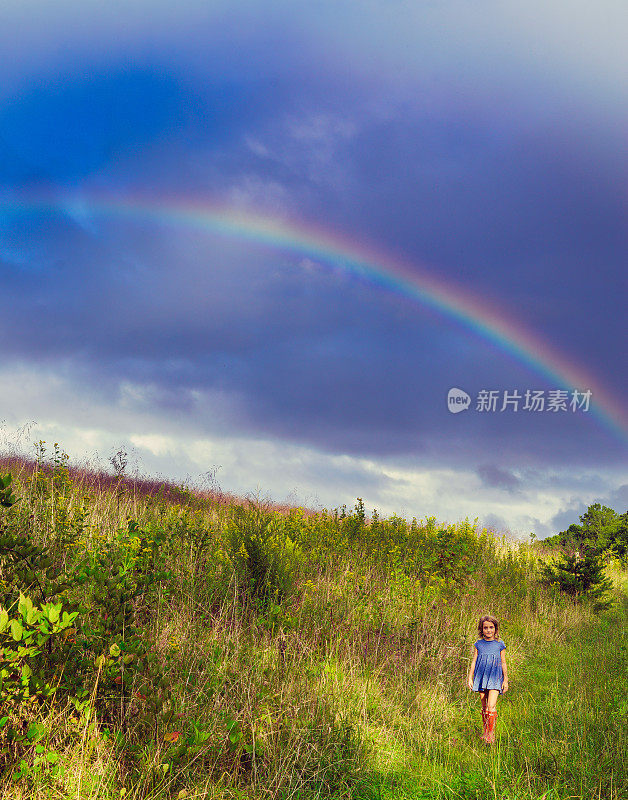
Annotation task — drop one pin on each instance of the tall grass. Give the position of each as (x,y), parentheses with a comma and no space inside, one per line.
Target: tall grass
(302,655)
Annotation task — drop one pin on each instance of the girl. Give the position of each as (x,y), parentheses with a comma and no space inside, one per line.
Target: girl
(487,673)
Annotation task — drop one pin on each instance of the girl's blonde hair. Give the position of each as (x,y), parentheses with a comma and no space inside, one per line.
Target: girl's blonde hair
(488,618)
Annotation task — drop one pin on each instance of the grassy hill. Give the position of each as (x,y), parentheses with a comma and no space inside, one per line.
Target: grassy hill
(164,643)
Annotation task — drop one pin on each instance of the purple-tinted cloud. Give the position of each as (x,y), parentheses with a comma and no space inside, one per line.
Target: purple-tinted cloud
(498,478)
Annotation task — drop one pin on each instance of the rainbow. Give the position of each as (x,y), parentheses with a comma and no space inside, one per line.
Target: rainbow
(369,263)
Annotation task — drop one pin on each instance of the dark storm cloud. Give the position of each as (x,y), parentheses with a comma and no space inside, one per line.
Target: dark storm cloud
(486,190)
(311,356)
(515,219)
(494,476)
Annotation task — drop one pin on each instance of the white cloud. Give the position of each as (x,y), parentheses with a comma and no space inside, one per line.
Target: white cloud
(155,443)
(252,192)
(309,144)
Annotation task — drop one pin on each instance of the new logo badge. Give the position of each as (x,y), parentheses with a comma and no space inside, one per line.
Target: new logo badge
(457,400)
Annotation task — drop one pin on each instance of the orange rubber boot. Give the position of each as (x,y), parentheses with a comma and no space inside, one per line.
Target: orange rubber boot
(491,718)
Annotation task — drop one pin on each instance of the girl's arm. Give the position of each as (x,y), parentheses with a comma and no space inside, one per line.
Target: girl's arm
(505,683)
(472,668)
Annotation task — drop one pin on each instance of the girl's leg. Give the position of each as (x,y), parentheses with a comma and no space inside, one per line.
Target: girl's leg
(491,714)
(491,699)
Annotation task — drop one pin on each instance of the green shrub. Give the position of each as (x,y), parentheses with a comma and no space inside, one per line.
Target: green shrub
(33,654)
(263,554)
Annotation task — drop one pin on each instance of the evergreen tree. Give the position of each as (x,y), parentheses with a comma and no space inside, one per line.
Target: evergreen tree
(579,571)
(580,574)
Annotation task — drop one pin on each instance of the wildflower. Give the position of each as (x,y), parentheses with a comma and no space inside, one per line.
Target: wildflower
(173,736)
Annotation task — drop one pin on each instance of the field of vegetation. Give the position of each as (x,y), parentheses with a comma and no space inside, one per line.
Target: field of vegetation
(158,642)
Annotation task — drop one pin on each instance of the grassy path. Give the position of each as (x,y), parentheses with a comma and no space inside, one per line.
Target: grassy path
(562,729)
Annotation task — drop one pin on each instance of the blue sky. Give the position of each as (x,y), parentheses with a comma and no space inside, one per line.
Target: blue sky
(483,143)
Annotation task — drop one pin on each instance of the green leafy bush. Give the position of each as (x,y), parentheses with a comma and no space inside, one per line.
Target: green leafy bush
(33,653)
(263,554)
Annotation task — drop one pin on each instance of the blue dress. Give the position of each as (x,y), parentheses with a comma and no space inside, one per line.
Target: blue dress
(488,672)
